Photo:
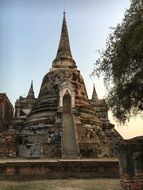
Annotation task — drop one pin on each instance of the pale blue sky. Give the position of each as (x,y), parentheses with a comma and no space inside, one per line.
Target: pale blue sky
(30,32)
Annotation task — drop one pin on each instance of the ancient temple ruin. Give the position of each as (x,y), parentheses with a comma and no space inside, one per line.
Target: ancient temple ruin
(7,139)
(63,122)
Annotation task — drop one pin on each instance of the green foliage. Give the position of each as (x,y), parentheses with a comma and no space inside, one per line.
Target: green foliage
(121,64)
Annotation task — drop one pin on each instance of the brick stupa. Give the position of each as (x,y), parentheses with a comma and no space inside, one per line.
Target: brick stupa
(63,122)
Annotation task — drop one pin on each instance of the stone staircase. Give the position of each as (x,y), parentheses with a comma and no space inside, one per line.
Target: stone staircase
(70,147)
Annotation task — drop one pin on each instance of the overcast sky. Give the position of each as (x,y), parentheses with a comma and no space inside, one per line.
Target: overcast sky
(29,38)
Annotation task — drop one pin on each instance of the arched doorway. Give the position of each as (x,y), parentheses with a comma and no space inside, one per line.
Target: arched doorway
(67,106)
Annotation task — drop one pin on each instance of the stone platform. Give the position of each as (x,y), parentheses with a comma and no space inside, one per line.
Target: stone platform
(59,169)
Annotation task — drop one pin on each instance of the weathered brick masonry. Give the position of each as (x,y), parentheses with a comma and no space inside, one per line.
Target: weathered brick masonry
(131,164)
(7,138)
(59,169)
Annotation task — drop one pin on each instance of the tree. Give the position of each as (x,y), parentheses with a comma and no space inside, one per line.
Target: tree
(121,65)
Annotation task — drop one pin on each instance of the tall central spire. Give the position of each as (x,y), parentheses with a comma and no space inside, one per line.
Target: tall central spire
(64,45)
(64,51)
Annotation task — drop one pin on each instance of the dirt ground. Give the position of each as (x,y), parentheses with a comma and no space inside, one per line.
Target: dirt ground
(19,159)
(68,184)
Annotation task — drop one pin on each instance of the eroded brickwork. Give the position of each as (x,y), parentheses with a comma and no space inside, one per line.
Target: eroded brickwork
(7,138)
(59,169)
(6,110)
(131,164)
(7,143)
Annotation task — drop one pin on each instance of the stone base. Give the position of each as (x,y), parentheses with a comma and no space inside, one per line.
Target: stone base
(37,169)
(132,184)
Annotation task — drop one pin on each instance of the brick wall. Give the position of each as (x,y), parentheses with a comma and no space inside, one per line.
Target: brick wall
(6,109)
(131,164)
(59,169)
(7,143)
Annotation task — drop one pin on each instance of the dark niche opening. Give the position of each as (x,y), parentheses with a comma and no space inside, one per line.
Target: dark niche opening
(67,106)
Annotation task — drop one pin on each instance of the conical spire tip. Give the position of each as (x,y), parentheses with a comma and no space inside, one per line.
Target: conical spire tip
(64,12)
(94,94)
(31,91)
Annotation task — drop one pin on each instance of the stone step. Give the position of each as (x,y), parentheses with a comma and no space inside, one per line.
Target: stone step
(70,148)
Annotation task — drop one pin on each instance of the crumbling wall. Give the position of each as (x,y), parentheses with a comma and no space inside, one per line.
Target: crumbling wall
(40,142)
(96,140)
(93,142)
(7,143)
(131,164)
(6,110)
